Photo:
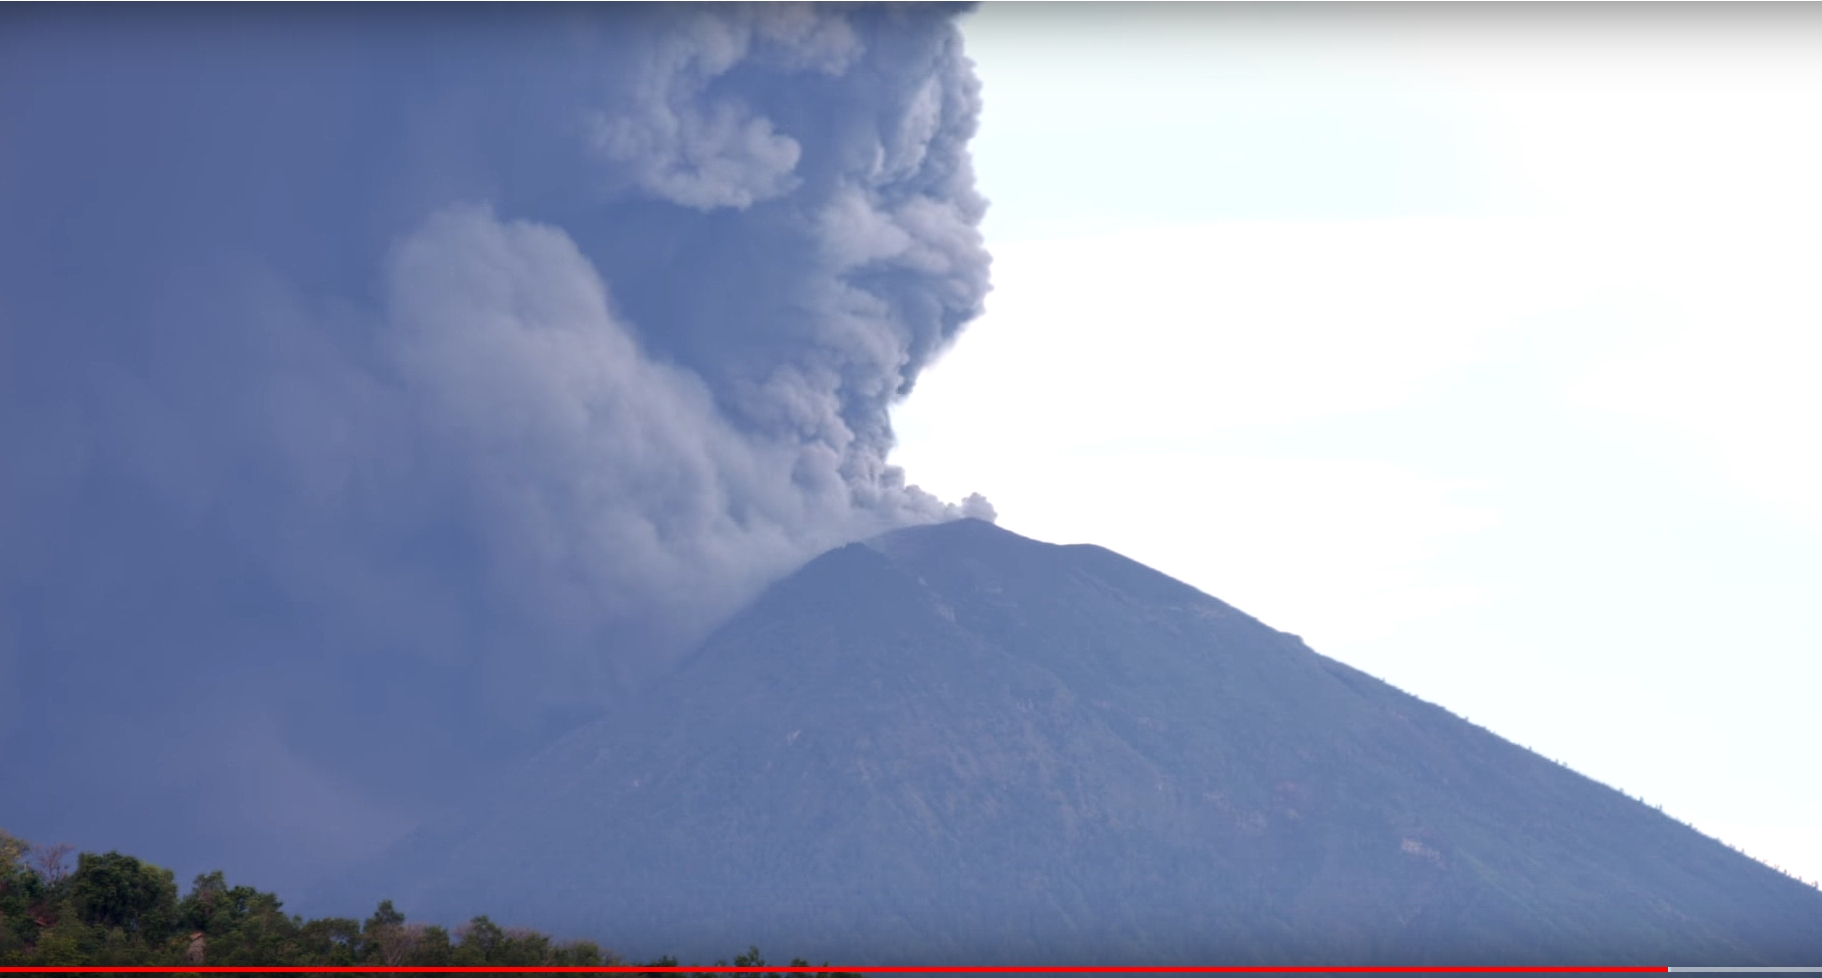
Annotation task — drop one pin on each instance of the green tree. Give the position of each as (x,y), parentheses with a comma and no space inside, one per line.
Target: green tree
(12,852)
(479,937)
(20,890)
(117,891)
(331,941)
(117,910)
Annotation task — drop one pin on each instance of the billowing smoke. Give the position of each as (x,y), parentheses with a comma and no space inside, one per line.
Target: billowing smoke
(382,392)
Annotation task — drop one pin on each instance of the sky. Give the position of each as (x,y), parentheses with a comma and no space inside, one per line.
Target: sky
(1476,345)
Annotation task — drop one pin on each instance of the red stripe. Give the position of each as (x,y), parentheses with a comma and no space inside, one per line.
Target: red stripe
(825,969)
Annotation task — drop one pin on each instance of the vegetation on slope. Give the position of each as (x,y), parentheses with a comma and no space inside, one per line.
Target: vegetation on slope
(115,910)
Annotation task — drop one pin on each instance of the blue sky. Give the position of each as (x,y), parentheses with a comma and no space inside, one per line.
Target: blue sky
(1475,347)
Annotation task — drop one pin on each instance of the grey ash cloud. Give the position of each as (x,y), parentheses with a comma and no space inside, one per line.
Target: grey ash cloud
(381,390)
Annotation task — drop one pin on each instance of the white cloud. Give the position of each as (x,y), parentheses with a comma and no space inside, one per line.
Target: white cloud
(1161,337)
(1741,392)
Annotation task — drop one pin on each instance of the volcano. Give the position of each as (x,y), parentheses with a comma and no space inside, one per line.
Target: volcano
(952,744)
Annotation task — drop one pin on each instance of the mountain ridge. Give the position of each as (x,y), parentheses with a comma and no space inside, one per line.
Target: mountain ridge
(952,744)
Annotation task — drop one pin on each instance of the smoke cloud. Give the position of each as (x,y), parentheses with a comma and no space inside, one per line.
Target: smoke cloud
(381,395)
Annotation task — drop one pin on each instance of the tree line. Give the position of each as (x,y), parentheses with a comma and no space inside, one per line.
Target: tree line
(117,910)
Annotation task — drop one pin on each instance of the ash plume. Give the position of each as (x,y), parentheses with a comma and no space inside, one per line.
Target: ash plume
(383,391)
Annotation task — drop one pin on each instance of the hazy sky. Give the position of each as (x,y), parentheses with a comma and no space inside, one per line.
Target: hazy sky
(1475,346)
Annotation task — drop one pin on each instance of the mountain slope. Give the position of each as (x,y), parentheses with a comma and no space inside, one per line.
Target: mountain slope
(953,744)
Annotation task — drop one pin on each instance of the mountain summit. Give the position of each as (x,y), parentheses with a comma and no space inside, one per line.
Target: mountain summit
(952,744)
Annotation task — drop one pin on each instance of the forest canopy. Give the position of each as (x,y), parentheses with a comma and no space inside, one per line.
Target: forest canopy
(112,909)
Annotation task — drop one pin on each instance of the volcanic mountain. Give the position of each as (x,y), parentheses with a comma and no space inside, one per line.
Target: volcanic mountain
(952,744)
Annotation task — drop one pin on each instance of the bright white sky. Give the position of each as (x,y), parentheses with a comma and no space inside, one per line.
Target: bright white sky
(1478,348)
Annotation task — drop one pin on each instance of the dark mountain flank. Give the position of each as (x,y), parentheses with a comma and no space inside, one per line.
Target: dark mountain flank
(953,744)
